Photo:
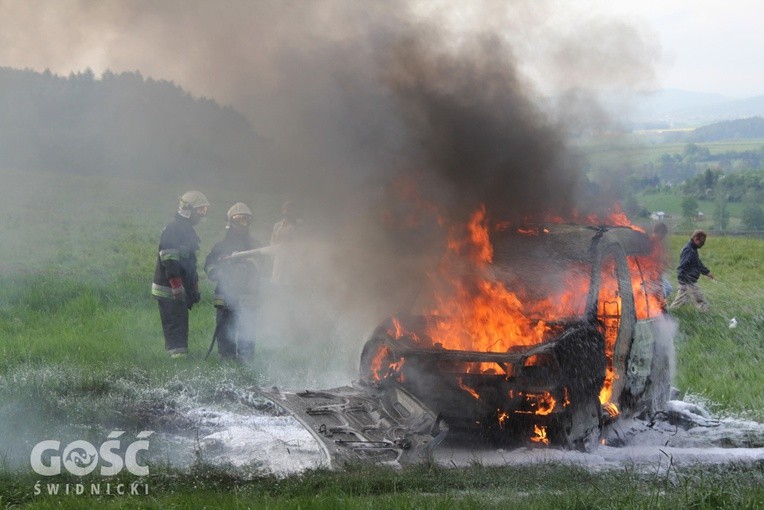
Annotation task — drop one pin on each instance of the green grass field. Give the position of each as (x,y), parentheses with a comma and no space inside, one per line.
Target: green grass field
(713,360)
(671,204)
(639,150)
(82,348)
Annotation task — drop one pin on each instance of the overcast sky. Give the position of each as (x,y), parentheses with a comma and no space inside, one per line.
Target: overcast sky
(708,45)
(703,45)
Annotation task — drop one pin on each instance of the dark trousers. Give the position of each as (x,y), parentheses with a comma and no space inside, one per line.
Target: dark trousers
(174,315)
(234,329)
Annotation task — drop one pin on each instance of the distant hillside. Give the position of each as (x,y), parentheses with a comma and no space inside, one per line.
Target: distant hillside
(728,110)
(663,105)
(120,124)
(742,129)
(672,108)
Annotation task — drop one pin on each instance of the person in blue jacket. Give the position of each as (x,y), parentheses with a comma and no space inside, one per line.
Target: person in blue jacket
(689,271)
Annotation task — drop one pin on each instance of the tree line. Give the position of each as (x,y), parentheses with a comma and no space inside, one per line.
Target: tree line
(119,124)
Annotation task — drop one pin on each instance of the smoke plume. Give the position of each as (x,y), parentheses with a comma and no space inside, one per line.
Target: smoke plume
(389,118)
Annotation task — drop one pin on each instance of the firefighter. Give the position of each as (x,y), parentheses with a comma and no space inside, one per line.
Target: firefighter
(237,286)
(176,281)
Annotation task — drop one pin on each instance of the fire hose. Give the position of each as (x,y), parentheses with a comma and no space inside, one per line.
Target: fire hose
(214,337)
(265,250)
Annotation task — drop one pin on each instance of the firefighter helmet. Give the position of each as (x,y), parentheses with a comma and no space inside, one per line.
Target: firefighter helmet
(237,209)
(191,200)
(239,216)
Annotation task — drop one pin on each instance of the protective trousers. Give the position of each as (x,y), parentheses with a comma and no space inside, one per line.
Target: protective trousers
(174,315)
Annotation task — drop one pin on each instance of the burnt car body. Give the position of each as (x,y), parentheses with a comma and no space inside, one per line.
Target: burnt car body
(598,356)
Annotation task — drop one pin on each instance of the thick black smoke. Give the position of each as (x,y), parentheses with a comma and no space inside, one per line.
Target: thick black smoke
(477,132)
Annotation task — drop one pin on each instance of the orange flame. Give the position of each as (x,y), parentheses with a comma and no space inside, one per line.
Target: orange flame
(393,369)
(540,435)
(467,388)
(532,231)
(646,273)
(482,314)
(607,388)
(376,363)
(544,403)
(611,409)
(397,330)
(476,245)
(540,404)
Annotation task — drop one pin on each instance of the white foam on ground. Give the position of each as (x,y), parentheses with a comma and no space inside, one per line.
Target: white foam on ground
(280,445)
(701,439)
(250,443)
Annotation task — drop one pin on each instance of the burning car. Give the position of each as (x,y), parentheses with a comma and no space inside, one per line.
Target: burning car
(548,337)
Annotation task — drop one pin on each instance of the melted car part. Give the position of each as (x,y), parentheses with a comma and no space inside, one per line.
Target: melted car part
(364,424)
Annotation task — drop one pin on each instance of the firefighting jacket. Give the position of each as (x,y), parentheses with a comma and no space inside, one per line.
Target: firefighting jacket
(176,256)
(237,280)
(690,266)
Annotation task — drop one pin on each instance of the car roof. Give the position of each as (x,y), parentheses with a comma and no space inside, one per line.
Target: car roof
(568,241)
